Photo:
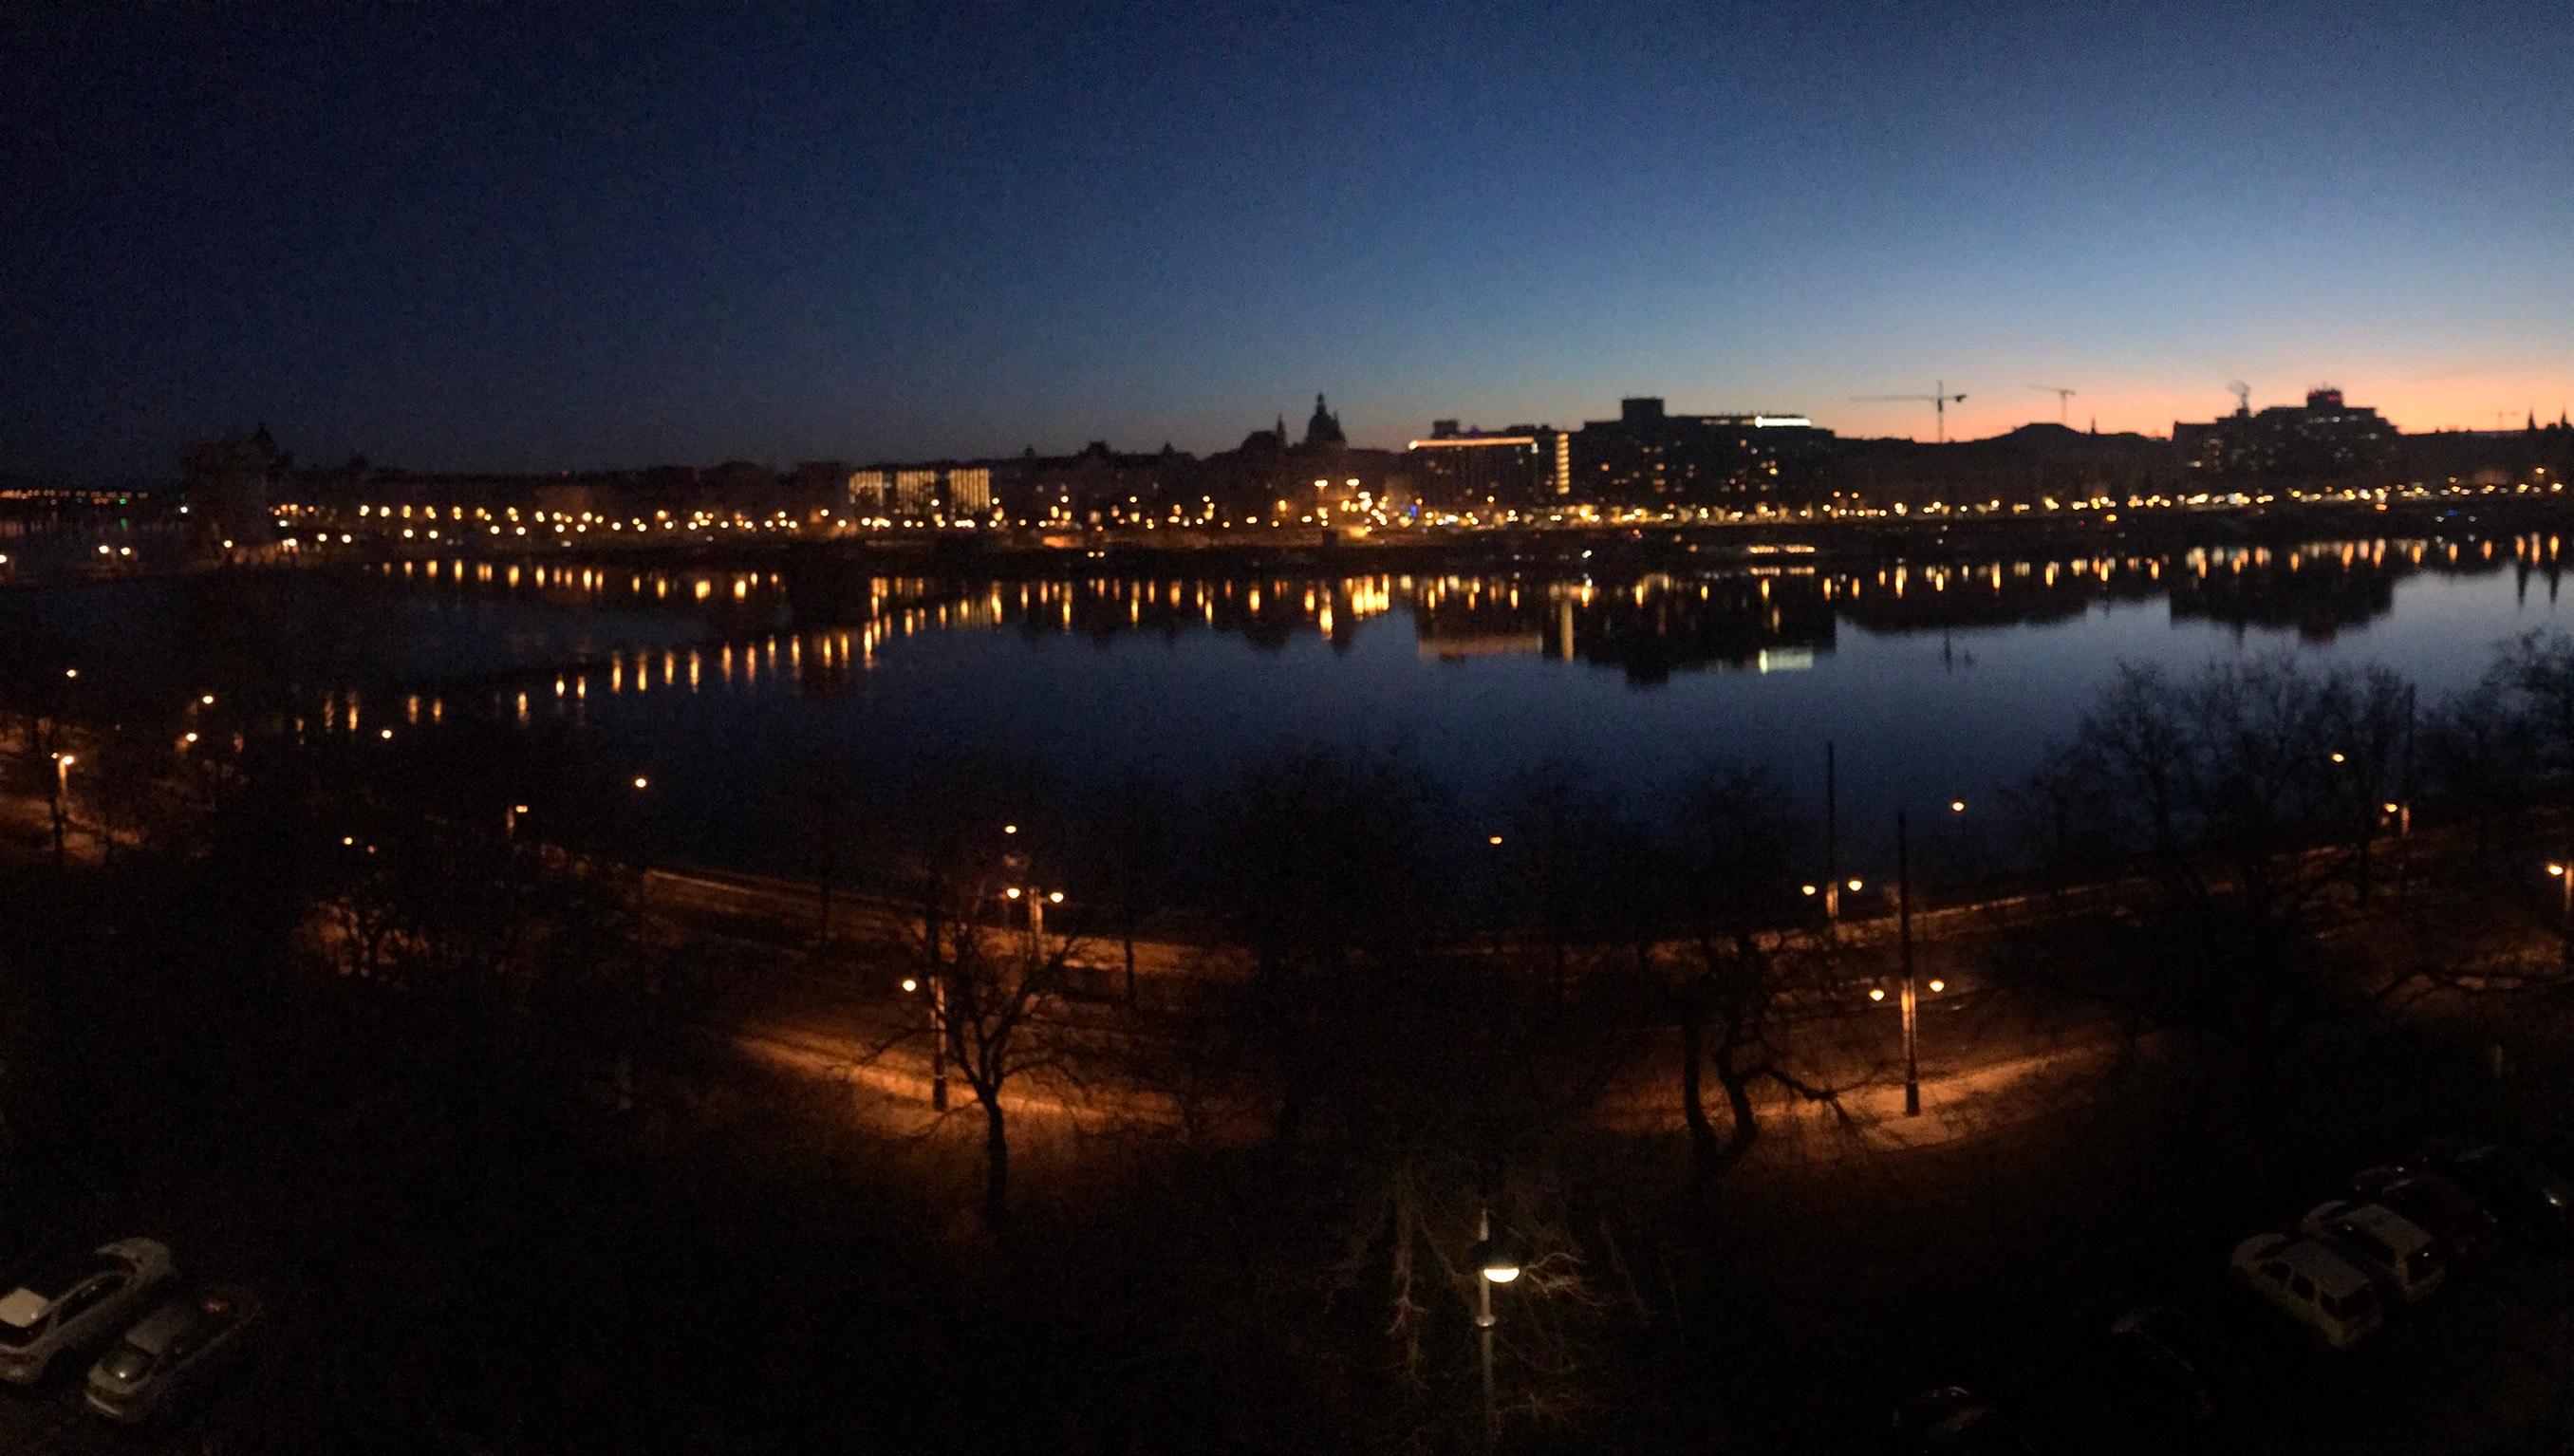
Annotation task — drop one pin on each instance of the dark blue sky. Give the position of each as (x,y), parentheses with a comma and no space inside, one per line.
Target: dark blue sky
(522,236)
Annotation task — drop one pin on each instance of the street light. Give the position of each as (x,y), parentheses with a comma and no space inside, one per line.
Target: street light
(937,1037)
(1496,1262)
(1904,933)
(62,801)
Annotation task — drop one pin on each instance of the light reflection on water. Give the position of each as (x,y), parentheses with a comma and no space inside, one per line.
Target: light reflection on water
(1936,680)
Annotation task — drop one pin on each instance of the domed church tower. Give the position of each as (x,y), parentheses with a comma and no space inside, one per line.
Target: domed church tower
(1324,427)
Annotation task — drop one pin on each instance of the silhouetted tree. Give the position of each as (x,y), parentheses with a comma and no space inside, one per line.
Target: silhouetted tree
(2246,797)
(1734,836)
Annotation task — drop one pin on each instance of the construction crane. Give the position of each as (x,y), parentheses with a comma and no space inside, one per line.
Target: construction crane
(2063,401)
(1939,400)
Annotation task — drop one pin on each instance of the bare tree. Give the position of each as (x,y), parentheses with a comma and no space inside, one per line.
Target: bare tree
(973,841)
(1733,841)
(1559,836)
(1128,841)
(2247,797)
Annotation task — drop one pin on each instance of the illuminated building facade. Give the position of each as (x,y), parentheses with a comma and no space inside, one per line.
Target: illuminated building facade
(921,492)
(1523,466)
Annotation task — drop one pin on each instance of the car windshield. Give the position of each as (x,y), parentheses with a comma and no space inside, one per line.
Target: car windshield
(2370,1243)
(128,1362)
(18,1336)
(57,1278)
(2356,1308)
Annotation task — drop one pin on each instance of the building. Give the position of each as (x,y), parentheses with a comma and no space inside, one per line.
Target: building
(921,492)
(228,483)
(2325,439)
(1096,486)
(1648,457)
(1524,467)
(1315,481)
(969,490)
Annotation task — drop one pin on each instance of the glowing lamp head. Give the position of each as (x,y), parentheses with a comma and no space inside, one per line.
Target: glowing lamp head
(1011,893)
(642,783)
(1937,985)
(2392,806)
(1496,1259)
(909,985)
(1877,994)
(1850,885)
(1805,889)
(384,733)
(1055,899)
(1494,839)
(2340,758)
(1957,805)
(1009,828)
(65,759)
(207,698)
(2556,869)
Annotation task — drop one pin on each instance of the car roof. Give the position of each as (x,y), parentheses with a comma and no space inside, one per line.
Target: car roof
(2387,1224)
(162,1325)
(2331,1273)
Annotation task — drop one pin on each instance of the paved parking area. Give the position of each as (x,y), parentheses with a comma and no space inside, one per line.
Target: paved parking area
(2482,1365)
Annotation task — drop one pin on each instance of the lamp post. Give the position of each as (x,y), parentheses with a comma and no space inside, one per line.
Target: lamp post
(1831,843)
(2564,875)
(1494,1265)
(1903,935)
(62,803)
(937,1038)
(1904,932)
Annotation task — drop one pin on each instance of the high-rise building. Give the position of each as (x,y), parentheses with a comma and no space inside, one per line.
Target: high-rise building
(1521,466)
(1650,456)
(2327,438)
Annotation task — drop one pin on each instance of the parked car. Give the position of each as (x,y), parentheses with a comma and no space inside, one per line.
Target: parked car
(1950,1420)
(2462,1227)
(76,1304)
(174,1355)
(2166,1367)
(2529,1197)
(2385,1246)
(2310,1284)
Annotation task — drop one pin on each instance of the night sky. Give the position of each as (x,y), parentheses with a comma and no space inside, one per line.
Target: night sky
(522,237)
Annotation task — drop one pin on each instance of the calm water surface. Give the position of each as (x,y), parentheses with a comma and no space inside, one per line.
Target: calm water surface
(729,686)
